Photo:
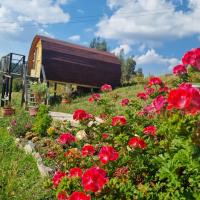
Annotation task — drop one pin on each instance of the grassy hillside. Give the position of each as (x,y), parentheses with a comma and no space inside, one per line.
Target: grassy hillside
(115,96)
(19,176)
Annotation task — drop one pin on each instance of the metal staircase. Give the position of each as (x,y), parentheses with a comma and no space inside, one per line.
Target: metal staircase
(11,66)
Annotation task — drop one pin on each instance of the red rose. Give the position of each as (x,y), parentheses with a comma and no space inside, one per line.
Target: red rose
(81,115)
(185,85)
(137,142)
(66,138)
(88,150)
(75,172)
(94,97)
(51,154)
(105,135)
(57,178)
(149,90)
(192,58)
(195,101)
(79,196)
(163,89)
(62,196)
(179,70)
(124,102)
(108,153)
(118,120)
(149,109)
(94,179)
(185,97)
(179,99)
(155,81)
(142,95)
(150,130)
(106,88)
(159,102)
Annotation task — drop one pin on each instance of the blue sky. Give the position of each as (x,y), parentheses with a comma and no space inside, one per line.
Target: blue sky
(156,32)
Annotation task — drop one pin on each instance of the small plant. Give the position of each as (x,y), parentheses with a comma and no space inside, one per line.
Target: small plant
(42,121)
(39,90)
(20,124)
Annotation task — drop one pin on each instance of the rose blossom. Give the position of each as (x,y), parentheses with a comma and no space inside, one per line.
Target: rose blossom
(185,85)
(108,153)
(80,115)
(88,150)
(94,97)
(57,178)
(62,196)
(51,154)
(94,179)
(159,102)
(118,120)
(149,90)
(192,58)
(75,172)
(137,142)
(187,98)
(179,70)
(143,96)
(79,196)
(124,102)
(150,130)
(66,138)
(105,135)
(155,81)
(106,88)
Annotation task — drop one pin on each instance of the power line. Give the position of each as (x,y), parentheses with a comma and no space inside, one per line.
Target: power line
(95,17)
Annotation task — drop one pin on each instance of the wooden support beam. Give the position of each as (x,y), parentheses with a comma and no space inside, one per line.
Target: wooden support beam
(55,89)
(10,89)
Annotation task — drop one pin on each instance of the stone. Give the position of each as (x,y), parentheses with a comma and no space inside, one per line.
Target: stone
(44,171)
(35,139)
(17,141)
(29,148)
(81,135)
(37,157)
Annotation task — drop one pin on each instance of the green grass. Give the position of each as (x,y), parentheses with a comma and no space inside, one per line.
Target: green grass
(19,176)
(82,102)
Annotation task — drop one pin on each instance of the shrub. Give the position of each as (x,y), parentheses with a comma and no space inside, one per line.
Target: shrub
(20,124)
(42,121)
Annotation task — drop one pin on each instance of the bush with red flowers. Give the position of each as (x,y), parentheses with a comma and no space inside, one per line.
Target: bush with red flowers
(149,151)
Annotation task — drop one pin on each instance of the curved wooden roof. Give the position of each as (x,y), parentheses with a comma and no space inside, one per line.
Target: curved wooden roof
(66,62)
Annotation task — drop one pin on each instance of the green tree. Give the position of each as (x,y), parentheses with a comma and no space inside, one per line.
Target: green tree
(99,44)
(127,67)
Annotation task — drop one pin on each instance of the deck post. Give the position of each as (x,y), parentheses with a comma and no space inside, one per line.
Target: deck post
(55,90)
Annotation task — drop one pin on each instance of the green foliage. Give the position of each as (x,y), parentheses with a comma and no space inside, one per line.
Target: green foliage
(99,44)
(19,176)
(38,88)
(127,68)
(17,85)
(42,120)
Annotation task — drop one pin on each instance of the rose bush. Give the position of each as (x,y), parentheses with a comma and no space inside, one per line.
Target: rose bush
(150,151)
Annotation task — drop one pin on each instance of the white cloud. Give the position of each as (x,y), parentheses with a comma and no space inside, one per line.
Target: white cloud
(74,38)
(155,64)
(20,20)
(125,47)
(40,11)
(149,20)
(62,2)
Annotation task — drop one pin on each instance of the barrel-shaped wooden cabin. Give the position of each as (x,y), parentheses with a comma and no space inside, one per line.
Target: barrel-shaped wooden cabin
(64,62)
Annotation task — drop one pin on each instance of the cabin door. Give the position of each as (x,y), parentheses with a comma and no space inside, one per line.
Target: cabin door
(35,71)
